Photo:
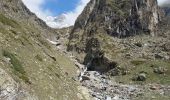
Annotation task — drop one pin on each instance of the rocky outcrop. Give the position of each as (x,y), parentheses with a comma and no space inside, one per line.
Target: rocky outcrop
(11,90)
(95,58)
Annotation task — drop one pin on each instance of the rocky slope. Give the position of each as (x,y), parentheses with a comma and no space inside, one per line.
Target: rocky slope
(102,19)
(31,68)
(118,18)
(127,40)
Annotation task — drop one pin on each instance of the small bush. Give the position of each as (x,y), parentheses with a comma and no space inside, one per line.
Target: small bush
(16,66)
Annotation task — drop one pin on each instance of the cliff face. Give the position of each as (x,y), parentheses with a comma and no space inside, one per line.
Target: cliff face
(120,18)
(112,18)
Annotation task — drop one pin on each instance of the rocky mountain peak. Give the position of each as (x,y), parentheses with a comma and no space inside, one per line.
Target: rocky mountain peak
(120,18)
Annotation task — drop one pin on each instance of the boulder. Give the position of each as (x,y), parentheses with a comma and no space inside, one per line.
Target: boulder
(85,78)
(142,76)
(160,70)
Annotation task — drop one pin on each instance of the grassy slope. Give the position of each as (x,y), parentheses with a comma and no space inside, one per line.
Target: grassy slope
(31,64)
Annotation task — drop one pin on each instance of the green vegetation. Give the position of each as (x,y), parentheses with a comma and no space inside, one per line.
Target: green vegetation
(26,55)
(16,66)
(9,22)
(147,67)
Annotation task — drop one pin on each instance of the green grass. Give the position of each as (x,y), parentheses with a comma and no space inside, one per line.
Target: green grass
(16,66)
(9,22)
(147,67)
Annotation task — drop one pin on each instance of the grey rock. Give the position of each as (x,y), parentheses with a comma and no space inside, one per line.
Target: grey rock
(141,77)
(85,78)
(160,70)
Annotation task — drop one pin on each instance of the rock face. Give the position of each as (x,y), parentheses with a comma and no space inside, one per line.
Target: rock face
(118,18)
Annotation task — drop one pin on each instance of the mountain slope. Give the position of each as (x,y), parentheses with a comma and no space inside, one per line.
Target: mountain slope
(124,40)
(117,18)
(30,67)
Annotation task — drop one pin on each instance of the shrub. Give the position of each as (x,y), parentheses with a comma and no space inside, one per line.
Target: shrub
(16,66)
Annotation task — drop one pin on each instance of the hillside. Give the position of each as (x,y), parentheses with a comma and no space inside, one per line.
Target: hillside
(30,67)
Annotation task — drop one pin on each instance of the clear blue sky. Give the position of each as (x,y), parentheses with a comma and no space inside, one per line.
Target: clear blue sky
(60,6)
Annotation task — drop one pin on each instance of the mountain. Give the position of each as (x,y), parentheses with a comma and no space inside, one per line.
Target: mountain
(125,39)
(117,18)
(121,18)
(31,68)
(117,50)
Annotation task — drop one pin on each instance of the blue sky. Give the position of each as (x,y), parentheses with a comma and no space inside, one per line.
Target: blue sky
(49,10)
(60,6)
